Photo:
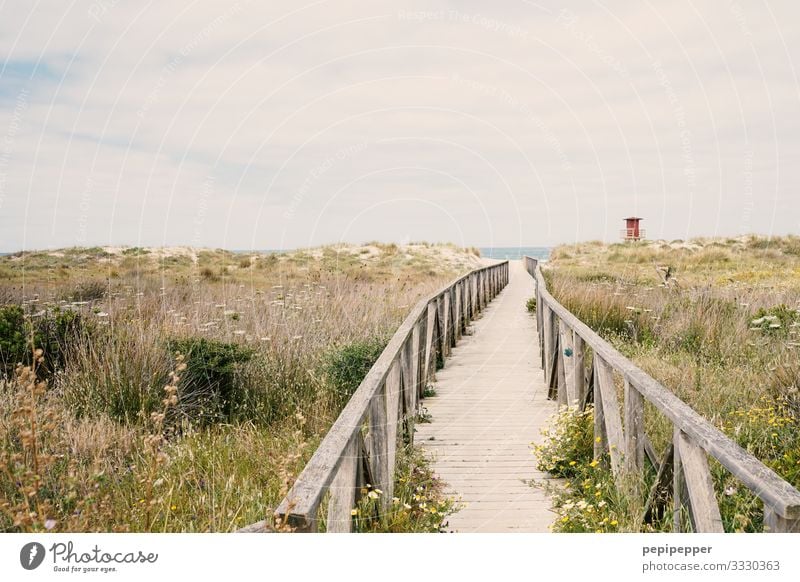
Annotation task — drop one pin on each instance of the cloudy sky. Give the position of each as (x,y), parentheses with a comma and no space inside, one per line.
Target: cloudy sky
(278,124)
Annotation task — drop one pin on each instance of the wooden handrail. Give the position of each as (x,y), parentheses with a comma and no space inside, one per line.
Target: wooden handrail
(563,340)
(361,445)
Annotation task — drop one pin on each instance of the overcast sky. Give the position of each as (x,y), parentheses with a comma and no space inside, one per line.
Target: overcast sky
(281,124)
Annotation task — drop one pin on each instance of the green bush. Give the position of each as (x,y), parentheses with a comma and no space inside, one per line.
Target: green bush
(531,305)
(13,337)
(776,320)
(52,332)
(208,384)
(347,366)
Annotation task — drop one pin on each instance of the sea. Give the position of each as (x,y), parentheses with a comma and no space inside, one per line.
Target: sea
(514,253)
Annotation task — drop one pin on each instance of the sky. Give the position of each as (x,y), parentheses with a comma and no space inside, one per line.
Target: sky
(267,125)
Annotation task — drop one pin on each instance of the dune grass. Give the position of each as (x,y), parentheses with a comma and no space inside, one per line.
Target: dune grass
(106,429)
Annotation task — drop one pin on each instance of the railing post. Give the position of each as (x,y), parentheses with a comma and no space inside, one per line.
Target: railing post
(548,341)
(634,428)
(343,491)
(579,367)
(567,356)
(379,446)
(394,393)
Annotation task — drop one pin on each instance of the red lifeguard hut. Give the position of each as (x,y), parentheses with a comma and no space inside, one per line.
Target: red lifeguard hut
(632,230)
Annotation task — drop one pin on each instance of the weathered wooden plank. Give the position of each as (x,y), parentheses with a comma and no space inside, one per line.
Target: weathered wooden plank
(770,487)
(561,381)
(704,511)
(604,381)
(548,342)
(343,490)
(430,346)
(407,380)
(420,346)
(634,429)
(416,374)
(459,314)
(579,370)
(393,394)
(552,377)
(379,446)
(568,365)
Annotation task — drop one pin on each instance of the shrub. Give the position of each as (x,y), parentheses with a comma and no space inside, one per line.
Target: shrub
(347,366)
(209,274)
(51,331)
(531,305)
(775,320)
(207,385)
(91,290)
(13,340)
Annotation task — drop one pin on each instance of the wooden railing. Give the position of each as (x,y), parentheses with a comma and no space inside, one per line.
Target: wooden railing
(361,446)
(566,346)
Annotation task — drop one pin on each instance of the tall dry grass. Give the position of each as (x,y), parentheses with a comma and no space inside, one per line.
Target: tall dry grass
(259,337)
(716,322)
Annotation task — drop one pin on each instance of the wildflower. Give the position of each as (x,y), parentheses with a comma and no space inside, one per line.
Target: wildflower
(594,463)
(173,507)
(573,463)
(354,512)
(614,522)
(49,524)
(730,490)
(372,494)
(407,506)
(395,500)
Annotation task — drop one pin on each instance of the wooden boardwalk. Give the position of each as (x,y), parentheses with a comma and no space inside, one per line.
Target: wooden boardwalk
(490,405)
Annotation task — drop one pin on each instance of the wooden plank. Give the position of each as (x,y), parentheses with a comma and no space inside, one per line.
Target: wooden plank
(567,356)
(579,370)
(343,491)
(379,446)
(407,380)
(414,356)
(588,396)
(704,511)
(393,394)
(561,381)
(552,378)
(770,487)
(548,343)
(634,429)
(420,357)
(459,315)
(656,502)
(430,346)
(604,380)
